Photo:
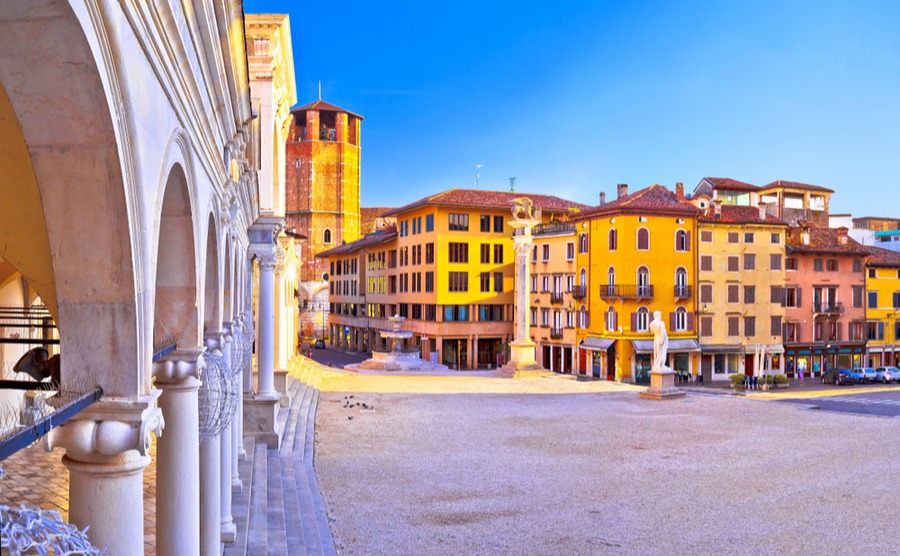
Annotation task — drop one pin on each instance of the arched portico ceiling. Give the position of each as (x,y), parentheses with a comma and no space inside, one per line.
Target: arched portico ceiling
(49,71)
(212,310)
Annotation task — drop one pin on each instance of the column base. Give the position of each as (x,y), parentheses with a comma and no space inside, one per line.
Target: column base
(229,532)
(237,486)
(662,386)
(281,386)
(259,420)
(521,362)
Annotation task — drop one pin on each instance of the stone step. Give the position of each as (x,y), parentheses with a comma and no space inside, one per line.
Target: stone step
(257,537)
(240,509)
(326,540)
(287,443)
(276,544)
(298,441)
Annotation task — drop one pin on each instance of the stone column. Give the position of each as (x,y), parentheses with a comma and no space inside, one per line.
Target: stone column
(265,348)
(210,478)
(106,453)
(178,455)
(281,326)
(521,359)
(227,526)
(260,408)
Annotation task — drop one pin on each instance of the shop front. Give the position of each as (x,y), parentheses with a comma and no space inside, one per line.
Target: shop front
(883,355)
(679,358)
(596,358)
(805,361)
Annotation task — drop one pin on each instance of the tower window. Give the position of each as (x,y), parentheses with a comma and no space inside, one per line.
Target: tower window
(326,236)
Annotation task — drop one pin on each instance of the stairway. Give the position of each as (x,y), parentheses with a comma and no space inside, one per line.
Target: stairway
(281,510)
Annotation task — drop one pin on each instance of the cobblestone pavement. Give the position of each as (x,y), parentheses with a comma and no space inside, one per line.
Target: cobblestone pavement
(36,478)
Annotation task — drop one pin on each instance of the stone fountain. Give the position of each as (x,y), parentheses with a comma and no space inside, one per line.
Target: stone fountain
(396,359)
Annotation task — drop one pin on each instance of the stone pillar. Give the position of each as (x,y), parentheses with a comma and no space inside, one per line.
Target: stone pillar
(178,455)
(521,359)
(210,499)
(265,348)
(260,409)
(107,448)
(281,326)
(227,526)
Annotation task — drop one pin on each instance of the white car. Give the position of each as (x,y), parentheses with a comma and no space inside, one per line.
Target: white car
(887,374)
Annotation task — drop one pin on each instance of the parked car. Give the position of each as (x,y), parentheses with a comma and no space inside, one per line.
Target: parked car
(864,374)
(838,377)
(320,344)
(887,374)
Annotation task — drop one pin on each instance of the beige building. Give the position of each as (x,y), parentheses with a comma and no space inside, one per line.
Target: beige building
(740,279)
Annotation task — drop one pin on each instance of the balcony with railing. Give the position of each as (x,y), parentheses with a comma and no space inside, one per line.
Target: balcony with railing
(626,291)
(556,297)
(554,228)
(579,292)
(684,292)
(556,333)
(827,308)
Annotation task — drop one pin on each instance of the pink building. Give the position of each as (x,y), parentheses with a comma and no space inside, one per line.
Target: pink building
(824,300)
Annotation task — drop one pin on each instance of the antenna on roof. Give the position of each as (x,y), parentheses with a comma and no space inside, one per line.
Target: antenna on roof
(320,89)
(477,175)
(512,183)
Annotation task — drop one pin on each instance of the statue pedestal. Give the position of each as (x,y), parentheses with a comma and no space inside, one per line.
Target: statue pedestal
(521,362)
(662,386)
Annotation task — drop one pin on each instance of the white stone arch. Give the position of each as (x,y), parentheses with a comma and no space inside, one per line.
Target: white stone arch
(212,298)
(95,238)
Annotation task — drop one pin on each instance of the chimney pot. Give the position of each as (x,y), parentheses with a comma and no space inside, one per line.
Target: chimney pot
(622,190)
(602,198)
(842,235)
(679,190)
(717,209)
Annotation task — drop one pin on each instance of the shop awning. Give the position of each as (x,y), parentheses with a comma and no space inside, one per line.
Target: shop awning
(883,348)
(675,346)
(751,349)
(721,348)
(598,344)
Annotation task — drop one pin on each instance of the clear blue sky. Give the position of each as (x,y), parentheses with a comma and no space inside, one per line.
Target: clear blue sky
(574,97)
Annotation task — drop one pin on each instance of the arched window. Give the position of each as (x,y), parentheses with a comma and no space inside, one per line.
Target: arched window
(643,281)
(681,285)
(610,282)
(682,240)
(643,239)
(326,236)
(680,320)
(612,320)
(613,239)
(583,277)
(641,320)
(582,243)
(583,317)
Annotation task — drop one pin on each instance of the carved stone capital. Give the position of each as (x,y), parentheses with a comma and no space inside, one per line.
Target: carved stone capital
(109,428)
(268,260)
(213,340)
(180,366)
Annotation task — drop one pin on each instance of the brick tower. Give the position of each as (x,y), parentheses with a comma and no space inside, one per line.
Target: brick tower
(322,194)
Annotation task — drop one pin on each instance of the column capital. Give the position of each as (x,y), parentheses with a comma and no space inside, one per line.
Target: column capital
(109,428)
(268,259)
(180,366)
(213,339)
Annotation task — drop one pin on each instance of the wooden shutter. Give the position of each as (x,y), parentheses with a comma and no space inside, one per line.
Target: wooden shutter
(690,321)
(634,322)
(672,320)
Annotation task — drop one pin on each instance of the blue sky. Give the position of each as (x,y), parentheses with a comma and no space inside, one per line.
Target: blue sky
(574,97)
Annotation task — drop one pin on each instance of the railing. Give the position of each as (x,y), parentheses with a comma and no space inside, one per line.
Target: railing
(579,292)
(626,291)
(327,134)
(556,333)
(27,326)
(828,308)
(554,228)
(556,297)
(684,292)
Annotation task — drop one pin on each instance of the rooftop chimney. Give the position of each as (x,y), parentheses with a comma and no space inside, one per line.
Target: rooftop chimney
(602,198)
(762,210)
(717,209)
(679,191)
(621,190)
(842,235)
(804,233)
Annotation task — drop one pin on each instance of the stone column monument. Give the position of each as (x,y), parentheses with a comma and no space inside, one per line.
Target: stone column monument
(662,378)
(521,362)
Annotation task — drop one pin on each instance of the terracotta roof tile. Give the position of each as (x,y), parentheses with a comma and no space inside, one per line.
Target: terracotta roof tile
(322,105)
(368,217)
(796,185)
(740,215)
(728,184)
(822,240)
(880,256)
(381,236)
(489,199)
(653,199)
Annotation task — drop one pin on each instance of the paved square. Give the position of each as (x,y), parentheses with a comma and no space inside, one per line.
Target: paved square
(598,472)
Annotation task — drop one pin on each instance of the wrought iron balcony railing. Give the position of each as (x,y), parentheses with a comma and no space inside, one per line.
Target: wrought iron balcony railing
(626,291)
(556,333)
(556,297)
(826,308)
(684,292)
(579,291)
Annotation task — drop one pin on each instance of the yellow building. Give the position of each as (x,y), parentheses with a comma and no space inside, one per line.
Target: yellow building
(553,295)
(449,271)
(883,307)
(740,279)
(635,255)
